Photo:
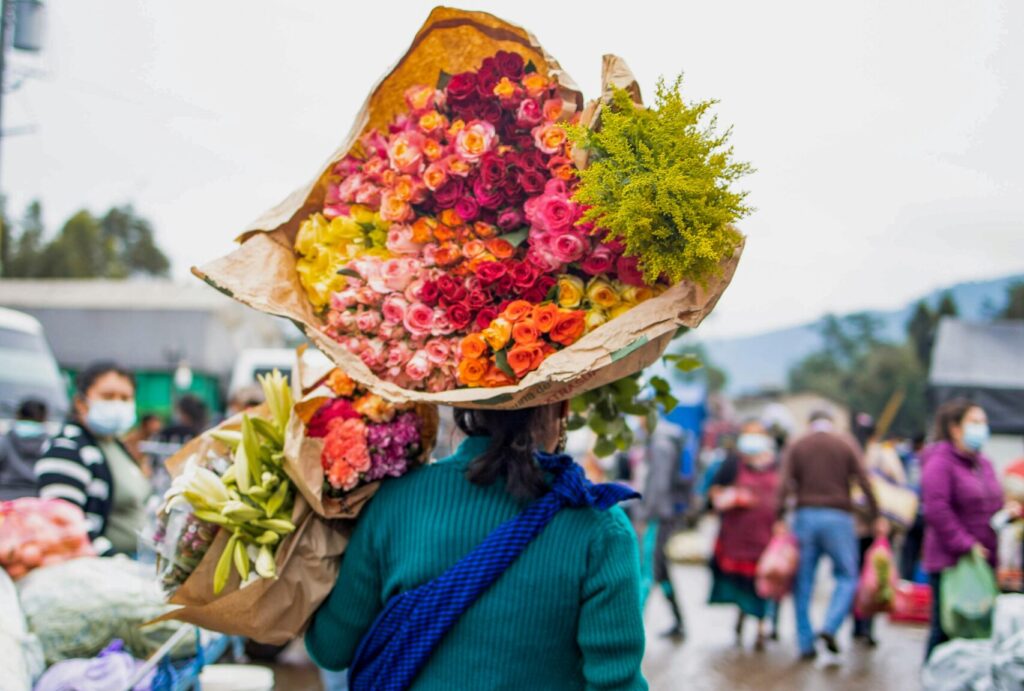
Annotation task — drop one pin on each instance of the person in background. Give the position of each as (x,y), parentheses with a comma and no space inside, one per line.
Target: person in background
(744,492)
(818,470)
(87,465)
(20,448)
(663,509)
(564,615)
(910,552)
(243,398)
(191,417)
(960,494)
(149,427)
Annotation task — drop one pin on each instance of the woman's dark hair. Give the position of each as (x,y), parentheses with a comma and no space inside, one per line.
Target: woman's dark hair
(88,376)
(951,413)
(509,456)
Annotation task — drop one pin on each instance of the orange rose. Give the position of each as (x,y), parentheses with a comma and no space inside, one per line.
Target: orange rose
(535,84)
(447,254)
(432,120)
(472,370)
(501,248)
(504,88)
(516,310)
(484,230)
(544,316)
(450,218)
(340,383)
(457,126)
(473,249)
(495,377)
(525,332)
(472,346)
(568,327)
(524,358)
(423,229)
(444,232)
(498,333)
(564,171)
(432,149)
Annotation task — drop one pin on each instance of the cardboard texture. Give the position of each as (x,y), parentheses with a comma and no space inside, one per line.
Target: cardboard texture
(261,272)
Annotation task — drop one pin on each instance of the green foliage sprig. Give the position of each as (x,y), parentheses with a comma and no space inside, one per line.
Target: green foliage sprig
(659,180)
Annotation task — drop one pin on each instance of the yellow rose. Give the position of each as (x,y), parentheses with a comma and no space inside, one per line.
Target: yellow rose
(498,333)
(593,319)
(432,121)
(634,295)
(601,293)
(570,292)
(619,310)
(535,84)
(504,88)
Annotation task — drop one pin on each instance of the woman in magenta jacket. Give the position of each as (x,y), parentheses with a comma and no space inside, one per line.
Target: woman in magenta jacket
(960,493)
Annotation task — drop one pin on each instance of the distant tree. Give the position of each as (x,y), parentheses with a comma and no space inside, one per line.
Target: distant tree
(947,306)
(921,332)
(692,362)
(1014,308)
(117,245)
(883,371)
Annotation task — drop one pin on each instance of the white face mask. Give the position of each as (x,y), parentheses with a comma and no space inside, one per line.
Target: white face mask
(754,444)
(110,418)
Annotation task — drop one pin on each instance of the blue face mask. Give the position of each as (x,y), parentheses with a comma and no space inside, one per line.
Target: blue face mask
(110,418)
(754,444)
(975,435)
(29,429)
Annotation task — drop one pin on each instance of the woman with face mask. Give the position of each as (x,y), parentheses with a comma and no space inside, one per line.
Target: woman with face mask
(87,465)
(960,493)
(744,492)
(20,448)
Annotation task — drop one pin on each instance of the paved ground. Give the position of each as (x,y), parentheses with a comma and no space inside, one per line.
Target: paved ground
(709,659)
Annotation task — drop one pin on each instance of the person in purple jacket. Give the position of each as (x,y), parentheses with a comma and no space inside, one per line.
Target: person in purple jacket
(960,494)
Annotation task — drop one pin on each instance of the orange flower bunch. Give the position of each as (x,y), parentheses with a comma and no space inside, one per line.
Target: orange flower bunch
(516,342)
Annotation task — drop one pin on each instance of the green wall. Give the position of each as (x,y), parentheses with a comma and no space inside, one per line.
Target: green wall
(155,391)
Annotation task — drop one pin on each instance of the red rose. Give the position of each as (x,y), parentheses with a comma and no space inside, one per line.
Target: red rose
(510,65)
(489,110)
(486,196)
(476,299)
(429,292)
(462,87)
(524,275)
(490,272)
(505,285)
(533,158)
(598,262)
(459,316)
(485,316)
(536,294)
(492,169)
(545,282)
(467,208)
(487,77)
(510,218)
(451,290)
(532,181)
(449,193)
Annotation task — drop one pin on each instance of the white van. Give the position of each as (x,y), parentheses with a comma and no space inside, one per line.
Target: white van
(253,362)
(28,369)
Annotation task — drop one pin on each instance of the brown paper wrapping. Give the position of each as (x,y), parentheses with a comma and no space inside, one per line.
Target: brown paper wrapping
(261,272)
(272,610)
(302,453)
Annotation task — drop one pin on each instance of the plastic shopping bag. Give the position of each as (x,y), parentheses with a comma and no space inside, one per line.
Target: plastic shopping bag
(876,588)
(777,566)
(969,594)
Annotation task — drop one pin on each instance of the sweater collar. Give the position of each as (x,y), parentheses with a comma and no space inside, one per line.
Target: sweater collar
(469,449)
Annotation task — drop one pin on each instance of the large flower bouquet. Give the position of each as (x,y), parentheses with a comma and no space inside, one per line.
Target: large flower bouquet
(481,239)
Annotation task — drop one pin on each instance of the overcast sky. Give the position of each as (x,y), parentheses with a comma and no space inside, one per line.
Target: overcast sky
(887,135)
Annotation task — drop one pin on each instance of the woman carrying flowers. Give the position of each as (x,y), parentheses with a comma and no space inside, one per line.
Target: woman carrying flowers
(568,605)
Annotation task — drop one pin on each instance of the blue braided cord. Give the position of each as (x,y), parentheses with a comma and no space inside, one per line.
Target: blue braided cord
(412,624)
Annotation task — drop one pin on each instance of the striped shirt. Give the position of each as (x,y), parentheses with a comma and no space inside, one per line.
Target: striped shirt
(73,468)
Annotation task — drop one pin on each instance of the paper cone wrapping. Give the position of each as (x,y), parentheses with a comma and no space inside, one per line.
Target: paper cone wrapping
(261,272)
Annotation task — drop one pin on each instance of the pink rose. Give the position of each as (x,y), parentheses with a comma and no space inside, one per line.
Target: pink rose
(557,187)
(419,319)
(418,366)
(628,270)
(553,212)
(346,190)
(529,113)
(372,352)
(341,321)
(474,140)
(598,262)
(368,194)
(368,296)
(567,247)
(367,322)
(374,143)
(394,309)
(543,260)
(437,350)
(510,218)
(442,325)
(395,209)
(343,299)
(335,210)
(398,355)
(400,241)
(434,176)
(398,273)
(405,152)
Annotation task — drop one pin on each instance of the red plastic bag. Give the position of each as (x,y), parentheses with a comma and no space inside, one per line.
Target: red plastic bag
(40,532)
(777,566)
(912,603)
(876,589)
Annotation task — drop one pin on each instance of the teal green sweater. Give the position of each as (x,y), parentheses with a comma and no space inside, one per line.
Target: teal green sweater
(566,614)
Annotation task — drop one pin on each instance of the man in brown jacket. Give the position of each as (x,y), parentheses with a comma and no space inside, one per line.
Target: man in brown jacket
(818,470)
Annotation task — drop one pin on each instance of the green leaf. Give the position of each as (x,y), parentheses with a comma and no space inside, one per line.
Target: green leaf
(604,447)
(660,386)
(688,362)
(530,68)
(268,431)
(442,80)
(598,424)
(517,237)
(501,360)
(351,273)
